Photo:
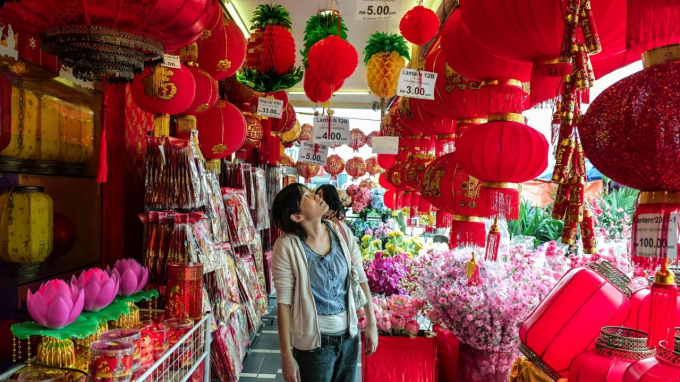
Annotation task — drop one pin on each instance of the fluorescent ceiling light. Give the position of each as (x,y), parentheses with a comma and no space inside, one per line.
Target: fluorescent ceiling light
(231,10)
(339,92)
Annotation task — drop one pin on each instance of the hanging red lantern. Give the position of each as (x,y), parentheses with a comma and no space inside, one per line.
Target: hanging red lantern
(386,160)
(221,131)
(390,199)
(306,132)
(383,182)
(357,139)
(307,170)
(414,170)
(415,116)
(289,137)
(271,47)
(206,92)
(419,25)
(502,79)
(370,136)
(332,60)
(372,166)
(237,92)
(356,167)
(334,166)
(222,49)
(112,41)
(287,161)
(316,90)
(254,132)
(651,24)
(286,122)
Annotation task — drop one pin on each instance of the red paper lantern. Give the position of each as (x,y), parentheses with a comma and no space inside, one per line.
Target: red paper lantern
(372,166)
(221,131)
(386,160)
(501,78)
(317,91)
(254,132)
(222,49)
(370,136)
(368,183)
(419,25)
(334,166)
(306,132)
(356,167)
(415,116)
(569,320)
(332,60)
(307,170)
(127,34)
(357,139)
(161,90)
(455,96)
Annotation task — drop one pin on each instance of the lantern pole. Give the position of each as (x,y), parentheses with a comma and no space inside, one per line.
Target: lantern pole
(382,108)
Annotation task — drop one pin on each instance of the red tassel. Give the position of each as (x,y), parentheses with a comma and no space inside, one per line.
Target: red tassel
(499,200)
(493,242)
(466,230)
(662,309)
(651,24)
(102,171)
(505,96)
(546,80)
(444,219)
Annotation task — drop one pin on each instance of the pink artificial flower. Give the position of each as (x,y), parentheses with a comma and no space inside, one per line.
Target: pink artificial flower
(412,327)
(363,323)
(433,315)
(360,312)
(384,324)
(398,321)
(598,211)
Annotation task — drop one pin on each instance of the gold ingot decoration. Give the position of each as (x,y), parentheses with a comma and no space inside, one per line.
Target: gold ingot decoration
(56,353)
(130,320)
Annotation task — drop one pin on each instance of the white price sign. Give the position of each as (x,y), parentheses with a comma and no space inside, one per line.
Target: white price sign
(371,10)
(650,239)
(269,107)
(171,61)
(386,145)
(310,153)
(416,84)
(337,134)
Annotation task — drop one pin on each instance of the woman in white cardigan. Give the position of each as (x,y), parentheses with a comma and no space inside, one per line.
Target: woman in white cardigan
(311,267)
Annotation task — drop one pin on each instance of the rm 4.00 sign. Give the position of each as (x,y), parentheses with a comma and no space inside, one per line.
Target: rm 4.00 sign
(334,135)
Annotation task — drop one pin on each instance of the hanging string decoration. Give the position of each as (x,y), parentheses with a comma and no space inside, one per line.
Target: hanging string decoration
(385,56)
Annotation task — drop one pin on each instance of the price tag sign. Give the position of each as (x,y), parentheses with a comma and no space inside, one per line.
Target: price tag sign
(269,107)
(372,10)
(310,154)
(338,134)
(171,61)
(416,84)
(386,145)
(650,239)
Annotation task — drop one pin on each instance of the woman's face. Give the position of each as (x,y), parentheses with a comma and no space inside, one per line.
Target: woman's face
(319,191)
(312,206)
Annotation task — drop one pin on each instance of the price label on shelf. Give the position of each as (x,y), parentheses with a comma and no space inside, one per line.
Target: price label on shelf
(338,134)
(311,154)
(416,84)
(374,10)
(650,238)
(171,61)
(386,145)
(269,107)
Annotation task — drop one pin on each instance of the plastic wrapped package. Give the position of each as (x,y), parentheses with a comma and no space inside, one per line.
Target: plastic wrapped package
(260,212)
(222,286)
(240,324)
(258,258)
(166,221)
(182,242)
(247,172)
(274,182)
(207,253)
(218,215)
(249,289)
(224,362)
(241,228)
(152,242)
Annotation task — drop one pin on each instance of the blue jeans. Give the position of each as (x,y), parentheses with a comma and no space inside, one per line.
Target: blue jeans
(335,361)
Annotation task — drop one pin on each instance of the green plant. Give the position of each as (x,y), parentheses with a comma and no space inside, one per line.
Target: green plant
(613,212)
(537,222)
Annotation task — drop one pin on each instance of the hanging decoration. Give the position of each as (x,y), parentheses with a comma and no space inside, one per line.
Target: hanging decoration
(317,91)
(206,92)
(651,24)
(356,167)
(270,59)
(372,166)
(332,60)
(308,171)
(334,166)
(235,92)
(357,139)
(291,136)
(221,48)
(115,41)
(287,161)
(385,56)
(287,120)
(222,131)
(306,132)
(370,136)
(419,25)
(254,132)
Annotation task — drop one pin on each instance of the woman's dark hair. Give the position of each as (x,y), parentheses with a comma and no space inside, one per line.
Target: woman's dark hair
(286,203)
(332,199)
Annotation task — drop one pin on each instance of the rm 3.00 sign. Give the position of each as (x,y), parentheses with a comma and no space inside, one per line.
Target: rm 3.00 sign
(310,153)
(335,134)
(416,84)
(650,238)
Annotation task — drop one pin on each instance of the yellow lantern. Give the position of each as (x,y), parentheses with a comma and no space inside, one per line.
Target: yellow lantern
(76,135)
(25,120)
(44,158)
(26,217)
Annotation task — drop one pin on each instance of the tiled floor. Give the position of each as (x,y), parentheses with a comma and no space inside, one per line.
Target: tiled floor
(264,363)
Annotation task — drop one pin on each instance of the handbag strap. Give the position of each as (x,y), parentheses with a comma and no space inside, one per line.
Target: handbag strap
(342,231)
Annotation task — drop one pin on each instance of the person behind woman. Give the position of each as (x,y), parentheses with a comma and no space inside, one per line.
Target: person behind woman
(311,268)
(335,208)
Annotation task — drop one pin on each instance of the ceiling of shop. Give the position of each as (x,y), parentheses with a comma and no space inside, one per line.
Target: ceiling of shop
(355,92)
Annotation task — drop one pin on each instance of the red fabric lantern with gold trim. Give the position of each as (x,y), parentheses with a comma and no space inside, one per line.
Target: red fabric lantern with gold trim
(334,166)
(356,167)
(221,131)
(286,122)
(357,139)
(412,113)
(254,132)
(221,49)
(370,136)
(308,171)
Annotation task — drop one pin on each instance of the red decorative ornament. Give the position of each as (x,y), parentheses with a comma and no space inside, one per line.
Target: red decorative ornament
(413,172)
(254,132)
(308,171)
(65,235)
(383,182)
(413,114)
(386,160)
(221,131)
(502,79)
(161,90)
(287,161)
(370,136)
(334,166)
(372,166)
(279,50)
(651,24)
(357,139)
(419,25)
(390,199)
(316,91)
(306,132)
(368,183)
(206,86)
(286,122)
(222,48)
(238,93)
(332,60)
(356,167)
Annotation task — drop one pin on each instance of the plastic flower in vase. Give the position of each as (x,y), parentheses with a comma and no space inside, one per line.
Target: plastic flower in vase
(100,288)
(55,304)
(387,274)
(396,315)
(345,199)
(131,275)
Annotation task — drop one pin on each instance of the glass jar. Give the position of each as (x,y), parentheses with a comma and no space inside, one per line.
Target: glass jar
(26,217)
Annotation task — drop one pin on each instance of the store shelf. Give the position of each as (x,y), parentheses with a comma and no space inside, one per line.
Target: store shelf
(9,280)
(84,176)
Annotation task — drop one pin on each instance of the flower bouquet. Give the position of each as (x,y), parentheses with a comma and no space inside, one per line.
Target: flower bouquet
(388,275)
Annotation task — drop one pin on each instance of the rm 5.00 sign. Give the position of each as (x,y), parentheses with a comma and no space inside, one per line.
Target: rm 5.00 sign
(313,154)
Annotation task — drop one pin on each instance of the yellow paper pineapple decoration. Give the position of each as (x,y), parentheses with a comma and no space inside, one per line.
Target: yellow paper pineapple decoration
(385,57)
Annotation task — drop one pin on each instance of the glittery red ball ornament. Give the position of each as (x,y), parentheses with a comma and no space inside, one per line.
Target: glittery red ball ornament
(332,60)
(370,136)
(356,167)
(357,139)
(307,170)
(221,130)
(222,49)
(161,90)
(419,25)
(372,166)
(334,166)
(630,132)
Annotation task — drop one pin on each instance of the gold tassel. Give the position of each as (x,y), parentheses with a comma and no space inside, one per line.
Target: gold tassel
(189,54)
(186,124)
(158,74)
(161,125)
(56,353)
(213,165)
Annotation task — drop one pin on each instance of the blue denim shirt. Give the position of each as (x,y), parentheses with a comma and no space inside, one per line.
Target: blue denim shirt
(328,277)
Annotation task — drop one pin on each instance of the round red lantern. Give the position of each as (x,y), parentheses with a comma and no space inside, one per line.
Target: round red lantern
(286,122)
(306,132)
(414,170)
(206,87)
(413,114)
(254,132)
(501,78)
(334,166)
(222,48)
(386,160)
(287,161)
(372,166)
(317,91)
(419,25)
(357,139)
(308,171)
(455,96)
(664,366)
(113,40)
(390,199)
(370,136)
(356,167)
(332,60)
(289,137)
(221,131)
(368,183)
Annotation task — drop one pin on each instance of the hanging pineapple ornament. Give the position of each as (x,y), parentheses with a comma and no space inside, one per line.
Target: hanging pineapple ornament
(385,56)
(270,53)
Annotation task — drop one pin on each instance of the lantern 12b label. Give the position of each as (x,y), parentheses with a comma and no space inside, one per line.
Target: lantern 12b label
(416,84)
(653,235)
(332,131)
